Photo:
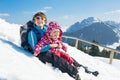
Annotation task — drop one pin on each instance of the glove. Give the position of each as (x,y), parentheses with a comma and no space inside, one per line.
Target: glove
(35,54)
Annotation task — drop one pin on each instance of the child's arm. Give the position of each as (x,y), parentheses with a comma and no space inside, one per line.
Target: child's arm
(47,47)
(37,49)
(40,48)
(41,44)
(59,45)
(64,47)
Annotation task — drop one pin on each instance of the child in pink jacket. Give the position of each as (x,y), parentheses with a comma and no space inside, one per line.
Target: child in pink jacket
(54,36)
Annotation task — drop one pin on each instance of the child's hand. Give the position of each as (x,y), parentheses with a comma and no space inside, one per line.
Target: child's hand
(65,49)
(60,45)
(53,45)
(35,54)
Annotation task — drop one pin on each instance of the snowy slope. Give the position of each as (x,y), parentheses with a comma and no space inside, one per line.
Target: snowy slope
(17,64)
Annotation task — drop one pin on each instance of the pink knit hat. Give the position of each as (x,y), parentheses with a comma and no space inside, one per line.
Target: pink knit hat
(54,25)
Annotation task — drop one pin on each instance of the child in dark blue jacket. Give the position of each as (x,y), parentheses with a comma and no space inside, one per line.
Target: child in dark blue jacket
(39,22)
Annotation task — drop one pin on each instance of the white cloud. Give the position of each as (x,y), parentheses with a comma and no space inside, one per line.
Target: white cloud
(66,17)
(113,12)
(111,15)
(4,15)
(47,8)
(44,9)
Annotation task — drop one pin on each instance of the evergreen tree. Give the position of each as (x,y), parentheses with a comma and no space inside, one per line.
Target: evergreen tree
(117,55)
(105,53)
(81,46)
(94,51)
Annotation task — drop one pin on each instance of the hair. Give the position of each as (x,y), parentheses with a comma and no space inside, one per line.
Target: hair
(54,31)
(41,14)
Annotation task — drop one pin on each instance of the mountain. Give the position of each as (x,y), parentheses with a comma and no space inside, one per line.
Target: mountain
(79,25)
(18,64)
(97,30)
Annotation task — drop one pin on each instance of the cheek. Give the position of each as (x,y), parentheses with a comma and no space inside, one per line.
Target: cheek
(37,23)
(43,22)
(53,37)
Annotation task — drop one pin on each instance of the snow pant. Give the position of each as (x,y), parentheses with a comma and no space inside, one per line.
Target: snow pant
(58,62)
(64,55)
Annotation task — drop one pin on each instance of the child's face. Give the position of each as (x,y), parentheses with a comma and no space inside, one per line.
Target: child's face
(39,21)
(55,36)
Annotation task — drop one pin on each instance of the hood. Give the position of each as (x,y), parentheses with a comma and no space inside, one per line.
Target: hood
(53,25)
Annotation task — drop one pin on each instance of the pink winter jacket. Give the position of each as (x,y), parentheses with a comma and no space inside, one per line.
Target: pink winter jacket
(47,40)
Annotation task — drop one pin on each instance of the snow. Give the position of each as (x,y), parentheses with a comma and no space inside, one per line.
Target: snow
(17,64)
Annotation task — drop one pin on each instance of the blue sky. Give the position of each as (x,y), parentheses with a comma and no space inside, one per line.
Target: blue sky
(66,12)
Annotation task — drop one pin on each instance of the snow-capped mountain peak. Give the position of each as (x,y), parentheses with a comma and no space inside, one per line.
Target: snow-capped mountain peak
(79,25)
(91,20)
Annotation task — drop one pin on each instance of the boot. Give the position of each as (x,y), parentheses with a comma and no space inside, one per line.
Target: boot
(76,67)
(95,73)
(77,77)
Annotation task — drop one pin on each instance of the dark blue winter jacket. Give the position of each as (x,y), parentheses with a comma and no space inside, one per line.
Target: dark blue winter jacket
(33,40)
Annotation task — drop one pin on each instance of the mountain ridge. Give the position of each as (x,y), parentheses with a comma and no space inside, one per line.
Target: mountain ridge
(104,33)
